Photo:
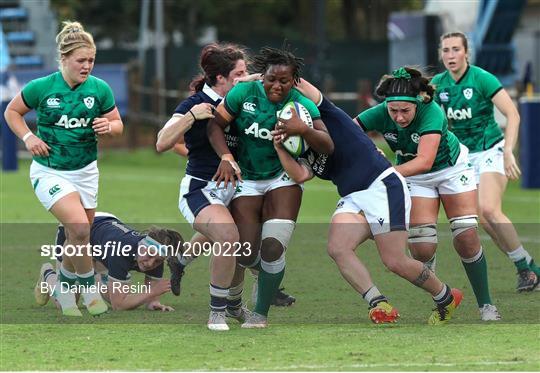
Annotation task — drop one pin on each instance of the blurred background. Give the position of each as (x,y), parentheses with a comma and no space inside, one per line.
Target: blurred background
(148,49)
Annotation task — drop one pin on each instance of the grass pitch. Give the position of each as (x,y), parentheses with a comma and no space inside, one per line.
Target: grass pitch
(327,329)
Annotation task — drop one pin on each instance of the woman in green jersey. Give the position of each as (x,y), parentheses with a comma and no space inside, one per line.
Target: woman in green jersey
(73,109)
(266,202)
(436,167)
(467,93)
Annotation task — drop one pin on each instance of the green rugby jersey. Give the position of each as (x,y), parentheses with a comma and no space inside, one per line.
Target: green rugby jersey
(255,116)
(404,141)
(65,116)
(468,106)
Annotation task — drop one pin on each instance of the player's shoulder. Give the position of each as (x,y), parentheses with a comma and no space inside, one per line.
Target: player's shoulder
(431,109)
(248,89)
(46,81)
(197,98)
(97,83)
(439,78)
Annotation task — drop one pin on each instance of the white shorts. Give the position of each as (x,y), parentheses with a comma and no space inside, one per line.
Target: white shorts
(491,160)
(261,187)
(456,179)
(50,185)
(196,194)
(386,204)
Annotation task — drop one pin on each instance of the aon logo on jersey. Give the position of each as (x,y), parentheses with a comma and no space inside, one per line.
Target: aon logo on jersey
(258,133)
(459,114)
(72,122)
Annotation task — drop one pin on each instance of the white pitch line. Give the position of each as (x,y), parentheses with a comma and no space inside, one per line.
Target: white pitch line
(390,365)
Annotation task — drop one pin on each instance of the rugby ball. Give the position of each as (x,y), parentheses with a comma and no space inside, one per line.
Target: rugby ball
(295,145)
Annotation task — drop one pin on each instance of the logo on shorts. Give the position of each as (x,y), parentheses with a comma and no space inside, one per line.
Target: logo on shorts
(464,180)
(55,189)
(381,221)
(89,102)
(390,136)
(340,204)
(285,177)
(489,161)
(213,195)
(415,137)
(53,102)
(238,189)
(443,96)
(249,107)
(468,92)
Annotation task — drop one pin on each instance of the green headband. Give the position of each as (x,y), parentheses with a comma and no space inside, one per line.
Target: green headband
(403,98)
(401,73)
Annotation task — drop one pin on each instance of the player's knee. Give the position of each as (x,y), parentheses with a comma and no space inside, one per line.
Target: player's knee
(464,224)
(335,250)
(489,213)
(275,237)
(424,233)
(229,235)
(271,249)
(394,264)
(273,266)
(79,233)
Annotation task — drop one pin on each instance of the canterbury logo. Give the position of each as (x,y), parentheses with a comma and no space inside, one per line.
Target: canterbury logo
(55,189)
(249,107)
(53,102)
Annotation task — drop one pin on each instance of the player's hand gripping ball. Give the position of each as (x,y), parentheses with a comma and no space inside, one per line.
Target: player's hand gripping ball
(295,145)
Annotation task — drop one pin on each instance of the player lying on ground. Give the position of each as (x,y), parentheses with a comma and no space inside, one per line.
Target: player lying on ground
(374,202)
(141,251)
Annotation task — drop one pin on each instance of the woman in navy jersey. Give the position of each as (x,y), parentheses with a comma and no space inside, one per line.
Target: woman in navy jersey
(374,202)
(202,202)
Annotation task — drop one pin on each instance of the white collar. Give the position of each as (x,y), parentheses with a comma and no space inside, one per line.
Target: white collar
(211,93)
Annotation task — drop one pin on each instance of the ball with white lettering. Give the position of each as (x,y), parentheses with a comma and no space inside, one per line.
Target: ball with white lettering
(295,145)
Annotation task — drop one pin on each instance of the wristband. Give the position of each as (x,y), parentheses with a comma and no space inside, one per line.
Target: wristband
(27,135)
(193,115)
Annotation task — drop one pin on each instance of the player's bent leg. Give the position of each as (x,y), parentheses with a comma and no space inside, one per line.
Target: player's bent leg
(423,232)
(235,308)
(347,231)
(275,237)
(279,212)
(70,212)
(216,223)
(491,190)
(460,209)
(423,244)
(417,273)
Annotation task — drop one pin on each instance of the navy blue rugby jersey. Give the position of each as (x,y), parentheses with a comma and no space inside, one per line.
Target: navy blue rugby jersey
(202,159)
(108,228)
(355,163)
